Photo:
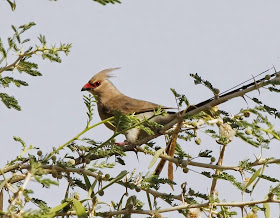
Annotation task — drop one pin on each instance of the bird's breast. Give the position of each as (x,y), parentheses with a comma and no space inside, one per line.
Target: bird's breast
(103,113)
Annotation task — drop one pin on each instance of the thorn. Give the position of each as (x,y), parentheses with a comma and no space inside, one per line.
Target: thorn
(260,157)
(256,157)
(245,100)
(256,85)
(274,69)
(277,73)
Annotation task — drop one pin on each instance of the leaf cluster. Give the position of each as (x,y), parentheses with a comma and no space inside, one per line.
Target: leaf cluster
(102,2)
(206,83)
(16,55)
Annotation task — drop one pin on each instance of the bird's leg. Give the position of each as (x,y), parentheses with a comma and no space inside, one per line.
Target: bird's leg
(125,143)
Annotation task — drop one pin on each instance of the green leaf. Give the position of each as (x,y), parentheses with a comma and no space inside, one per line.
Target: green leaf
(19,83)
(29,68)
(5,81)
(42,39)
(156,156)
(2,50)
(199,80)
(87,182)
(149,200)
(9,101)
(102,2)
(80,210)
(272,89)
(26,26)
(259,177)
(14,28)
(51,57)
(18,139)
(56,209)
(180,98)
(267,210)
(89,101)
(24,41)
(254,176)
(90,191)
(120,203)
(12,44)
(121,121)
(131,201)
(12,4)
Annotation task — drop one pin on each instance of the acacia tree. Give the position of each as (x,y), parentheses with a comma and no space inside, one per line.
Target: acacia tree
(85,163)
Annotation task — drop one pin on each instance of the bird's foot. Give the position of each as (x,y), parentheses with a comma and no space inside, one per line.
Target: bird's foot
(121,143)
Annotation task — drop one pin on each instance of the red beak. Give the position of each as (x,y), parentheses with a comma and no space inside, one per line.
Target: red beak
(86,87)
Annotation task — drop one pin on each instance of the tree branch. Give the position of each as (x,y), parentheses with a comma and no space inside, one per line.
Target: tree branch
(20,57)
(206,105)
(188,206)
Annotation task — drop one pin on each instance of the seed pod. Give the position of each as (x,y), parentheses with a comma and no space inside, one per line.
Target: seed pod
(71,161)
(54,174)
(59,176)
(194,124)
(248,131)
(191,192)
(246,113)
(101,192)
(107,177)
(267,77)
(198,141)
(213,159)
(53,158)
(216,91)
(137,189)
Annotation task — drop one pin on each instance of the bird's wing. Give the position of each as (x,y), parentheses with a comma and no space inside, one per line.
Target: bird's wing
(129,105)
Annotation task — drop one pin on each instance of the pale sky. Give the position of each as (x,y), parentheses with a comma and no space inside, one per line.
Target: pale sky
(157,44)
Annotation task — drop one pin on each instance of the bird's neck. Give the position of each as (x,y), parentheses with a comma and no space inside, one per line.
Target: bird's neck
(111,92)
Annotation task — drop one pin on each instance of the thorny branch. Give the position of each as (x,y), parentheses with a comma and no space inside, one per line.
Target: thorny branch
(216,101)
(18,194)
(197,109)
(182,163)
(183,206)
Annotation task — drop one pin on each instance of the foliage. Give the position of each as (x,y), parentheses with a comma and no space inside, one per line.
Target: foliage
(78,167)
(89,168)
(16,56)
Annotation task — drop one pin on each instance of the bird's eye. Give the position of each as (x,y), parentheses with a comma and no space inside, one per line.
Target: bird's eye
(96,84)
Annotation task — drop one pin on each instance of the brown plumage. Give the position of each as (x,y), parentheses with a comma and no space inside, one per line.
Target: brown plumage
(110,99)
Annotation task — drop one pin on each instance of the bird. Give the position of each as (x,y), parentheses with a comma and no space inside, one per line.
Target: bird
(110,99)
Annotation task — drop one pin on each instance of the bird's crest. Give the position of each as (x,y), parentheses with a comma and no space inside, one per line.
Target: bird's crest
(104,74)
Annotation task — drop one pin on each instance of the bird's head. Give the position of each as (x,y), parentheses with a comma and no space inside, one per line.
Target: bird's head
(99,82)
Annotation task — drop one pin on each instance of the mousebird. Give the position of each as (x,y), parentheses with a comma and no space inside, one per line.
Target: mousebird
(110,99)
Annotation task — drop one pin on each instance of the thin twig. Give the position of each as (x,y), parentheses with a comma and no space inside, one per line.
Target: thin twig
(220,163)
(18,194)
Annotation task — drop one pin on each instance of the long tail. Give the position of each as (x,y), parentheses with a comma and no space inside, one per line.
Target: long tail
(170,147)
